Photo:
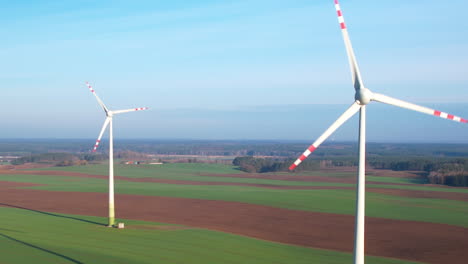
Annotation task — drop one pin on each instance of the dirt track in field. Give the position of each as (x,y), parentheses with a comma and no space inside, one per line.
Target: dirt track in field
(430,243)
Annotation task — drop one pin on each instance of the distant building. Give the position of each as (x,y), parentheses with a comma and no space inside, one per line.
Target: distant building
(132,162)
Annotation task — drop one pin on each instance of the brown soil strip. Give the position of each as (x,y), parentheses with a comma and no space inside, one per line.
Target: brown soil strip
(418,241)
(422,194)
(25,166)
(7,184)
(52,173)
(158,227)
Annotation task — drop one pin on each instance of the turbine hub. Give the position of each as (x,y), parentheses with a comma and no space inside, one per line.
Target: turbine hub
(363,96)
(109,113)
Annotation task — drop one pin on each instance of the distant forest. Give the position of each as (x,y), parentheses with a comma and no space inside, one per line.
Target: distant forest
(441,163)
(284,149)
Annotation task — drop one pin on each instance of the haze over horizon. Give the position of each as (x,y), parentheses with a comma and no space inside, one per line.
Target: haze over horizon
(231,69)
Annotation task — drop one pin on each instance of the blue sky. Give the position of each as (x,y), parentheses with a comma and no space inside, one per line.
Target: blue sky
(201,64)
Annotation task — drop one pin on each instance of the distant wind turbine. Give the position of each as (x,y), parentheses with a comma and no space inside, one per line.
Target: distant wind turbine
(108,121)
(362,97)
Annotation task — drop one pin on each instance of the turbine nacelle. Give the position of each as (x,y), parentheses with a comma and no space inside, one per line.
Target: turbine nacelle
(363,96)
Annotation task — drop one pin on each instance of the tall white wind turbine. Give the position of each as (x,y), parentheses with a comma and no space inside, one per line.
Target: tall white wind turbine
(362,97)
(108,122)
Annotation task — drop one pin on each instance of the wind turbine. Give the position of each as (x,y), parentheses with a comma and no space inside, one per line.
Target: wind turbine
(362,97)
(108,122)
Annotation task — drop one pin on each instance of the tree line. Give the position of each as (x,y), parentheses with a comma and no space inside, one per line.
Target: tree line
(447,171)
(60,159)
(261,165)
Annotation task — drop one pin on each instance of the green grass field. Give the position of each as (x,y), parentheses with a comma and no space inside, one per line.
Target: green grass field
(28,236)
(54,238)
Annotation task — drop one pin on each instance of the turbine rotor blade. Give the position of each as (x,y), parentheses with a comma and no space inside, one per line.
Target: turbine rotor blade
(106,123)
(355,73)
(130,110)
(396,102)
(353,109)
(97,97)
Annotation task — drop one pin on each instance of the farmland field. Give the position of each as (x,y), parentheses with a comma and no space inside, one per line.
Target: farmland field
(212,213)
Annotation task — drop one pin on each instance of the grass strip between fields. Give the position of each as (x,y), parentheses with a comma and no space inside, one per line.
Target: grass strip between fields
(193,172)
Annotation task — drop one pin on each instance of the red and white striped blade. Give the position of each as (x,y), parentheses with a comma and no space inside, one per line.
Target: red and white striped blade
(353,109)
(355,73)
(97,97)
(396,102)
(98,141)
(130,110)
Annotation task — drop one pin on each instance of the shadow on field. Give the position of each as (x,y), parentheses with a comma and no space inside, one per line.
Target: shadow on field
(41,249)
(10,230)
(52,214)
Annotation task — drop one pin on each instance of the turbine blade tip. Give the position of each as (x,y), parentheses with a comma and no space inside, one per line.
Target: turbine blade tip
(141,108)
(292,167)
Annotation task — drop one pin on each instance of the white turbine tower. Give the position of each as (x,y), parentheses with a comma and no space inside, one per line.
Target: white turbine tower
(108,121)
(362,97)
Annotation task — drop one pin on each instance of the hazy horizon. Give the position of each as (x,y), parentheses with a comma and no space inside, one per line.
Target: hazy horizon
(385,124)
(193,140)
